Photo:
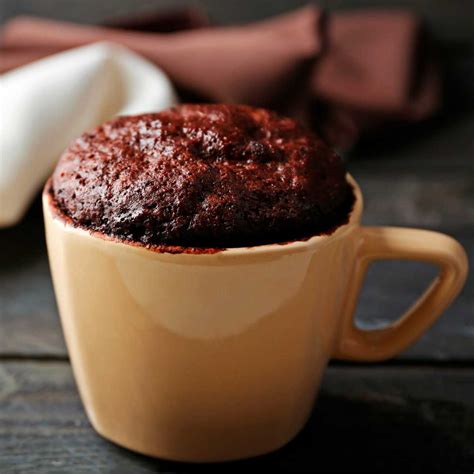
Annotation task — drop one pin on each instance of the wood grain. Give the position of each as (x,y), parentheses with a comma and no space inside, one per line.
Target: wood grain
(366,419)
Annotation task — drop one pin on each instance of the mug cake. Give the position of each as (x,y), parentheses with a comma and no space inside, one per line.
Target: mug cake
(202,176)
(191,339)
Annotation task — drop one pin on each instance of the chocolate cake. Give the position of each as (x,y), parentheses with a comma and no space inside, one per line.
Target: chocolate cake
(206,176)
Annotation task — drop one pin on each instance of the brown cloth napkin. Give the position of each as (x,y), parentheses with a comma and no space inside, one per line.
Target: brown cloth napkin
(343,73)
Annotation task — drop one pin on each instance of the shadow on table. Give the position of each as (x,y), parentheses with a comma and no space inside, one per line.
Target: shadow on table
(23,243)
(361,436)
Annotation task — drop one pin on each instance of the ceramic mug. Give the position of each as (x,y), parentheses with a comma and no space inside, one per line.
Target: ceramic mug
(213,357)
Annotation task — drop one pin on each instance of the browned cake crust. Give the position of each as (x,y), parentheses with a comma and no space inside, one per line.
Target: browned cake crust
(203,176)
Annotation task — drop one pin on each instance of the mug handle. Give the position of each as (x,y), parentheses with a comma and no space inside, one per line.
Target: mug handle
(377,243)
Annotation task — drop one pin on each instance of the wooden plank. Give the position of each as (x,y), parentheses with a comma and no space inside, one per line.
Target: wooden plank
(379,419)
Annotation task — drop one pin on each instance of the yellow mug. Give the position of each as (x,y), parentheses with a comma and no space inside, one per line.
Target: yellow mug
(213,357)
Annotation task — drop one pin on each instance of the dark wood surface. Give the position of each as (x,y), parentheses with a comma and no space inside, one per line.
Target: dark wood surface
(377,419)
(414,414)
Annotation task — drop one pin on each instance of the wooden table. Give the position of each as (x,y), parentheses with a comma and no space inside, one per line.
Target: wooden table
(412,414)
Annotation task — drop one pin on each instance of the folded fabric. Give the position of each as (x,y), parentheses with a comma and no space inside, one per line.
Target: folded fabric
(355,69)
(48,103)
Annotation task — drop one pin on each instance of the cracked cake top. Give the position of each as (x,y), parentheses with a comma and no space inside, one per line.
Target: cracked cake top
(202,176)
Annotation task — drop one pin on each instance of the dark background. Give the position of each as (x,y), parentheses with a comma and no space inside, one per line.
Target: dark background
(413,413)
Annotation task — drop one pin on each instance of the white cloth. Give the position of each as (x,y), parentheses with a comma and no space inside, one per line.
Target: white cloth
(46,104)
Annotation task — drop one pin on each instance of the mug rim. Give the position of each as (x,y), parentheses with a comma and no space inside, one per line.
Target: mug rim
(283,247)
